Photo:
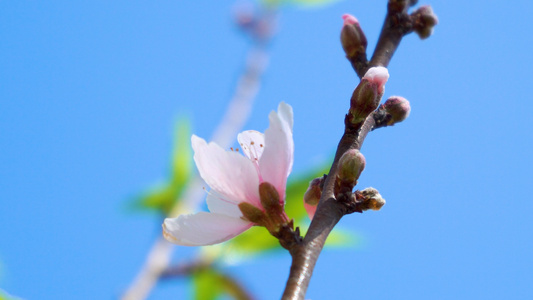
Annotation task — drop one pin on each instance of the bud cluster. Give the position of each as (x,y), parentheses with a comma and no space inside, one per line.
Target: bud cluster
(369,198)
(424,19)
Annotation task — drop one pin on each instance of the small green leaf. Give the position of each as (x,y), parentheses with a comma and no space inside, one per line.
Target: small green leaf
(210,284)
(341,238)
(253,241)
(5,296)
(207,285)
(295,191)
(164,196)
(181,157)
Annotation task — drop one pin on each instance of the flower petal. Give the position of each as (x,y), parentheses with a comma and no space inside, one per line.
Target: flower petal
(203,229)
(285,113)
(230,174)
(217,204)
(310,209)
(252,144)
(276,162)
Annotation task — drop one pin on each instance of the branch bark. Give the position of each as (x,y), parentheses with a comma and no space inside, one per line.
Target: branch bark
(329,211)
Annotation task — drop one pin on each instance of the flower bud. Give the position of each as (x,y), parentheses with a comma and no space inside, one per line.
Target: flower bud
(367,95)
(424,20)
(398,108)
(371,199)
(353,39)
(312,196)
(351,165)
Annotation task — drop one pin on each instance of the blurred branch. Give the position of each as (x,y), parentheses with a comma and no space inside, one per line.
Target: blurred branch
(230,285)
(236,115)
(304,254)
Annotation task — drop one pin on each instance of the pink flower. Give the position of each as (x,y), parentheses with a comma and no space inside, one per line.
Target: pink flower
(235,179)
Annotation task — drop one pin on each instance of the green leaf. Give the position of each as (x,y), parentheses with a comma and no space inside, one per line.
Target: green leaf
(181,156)
(207,285)
(165,195)
(296,187)
(5,296)
(210,284)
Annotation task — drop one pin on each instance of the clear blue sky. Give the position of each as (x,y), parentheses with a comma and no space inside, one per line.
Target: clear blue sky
(89,92)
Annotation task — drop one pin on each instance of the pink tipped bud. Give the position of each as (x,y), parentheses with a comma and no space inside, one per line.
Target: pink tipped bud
(366,97)
(377,76)
(353,39)
(424,21)
(398,108)
(314,191)
(312,196)
(351,165)
(349,20)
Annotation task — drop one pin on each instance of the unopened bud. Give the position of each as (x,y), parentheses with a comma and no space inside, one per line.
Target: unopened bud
(353,39)
(351,165)
(314,191)
(424,21)
(269,198)
(367,95)
(371,199)
(251,213)
(312,196)
(398,108)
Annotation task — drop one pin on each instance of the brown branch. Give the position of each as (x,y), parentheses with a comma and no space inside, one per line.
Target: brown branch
(330,210)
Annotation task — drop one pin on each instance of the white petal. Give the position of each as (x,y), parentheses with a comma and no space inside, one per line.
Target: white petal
(229,173)
(203,229)
(217,204)
(276,162)
(252,144)
(285,113)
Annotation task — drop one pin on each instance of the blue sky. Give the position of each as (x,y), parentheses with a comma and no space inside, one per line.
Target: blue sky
(90,92)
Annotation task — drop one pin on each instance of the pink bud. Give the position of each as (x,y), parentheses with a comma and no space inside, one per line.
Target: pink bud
(367,95)
(398,108)
(377,76)
(353,39)
(349,20)
(312,196)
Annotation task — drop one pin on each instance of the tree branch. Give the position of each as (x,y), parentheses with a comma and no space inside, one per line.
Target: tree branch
(330,210)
